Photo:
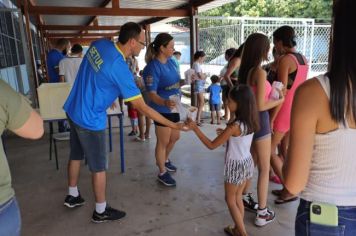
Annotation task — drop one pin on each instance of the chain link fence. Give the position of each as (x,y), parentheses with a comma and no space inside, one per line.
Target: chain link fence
(216,34)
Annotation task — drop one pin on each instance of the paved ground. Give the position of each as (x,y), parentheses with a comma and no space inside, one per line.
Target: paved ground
(195,207)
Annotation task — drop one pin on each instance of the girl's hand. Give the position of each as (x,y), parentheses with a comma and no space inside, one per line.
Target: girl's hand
(281,94)
(191,124)
(182,126)
(219,131)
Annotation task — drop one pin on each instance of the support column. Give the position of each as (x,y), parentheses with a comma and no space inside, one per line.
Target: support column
(30,44)
(193,47)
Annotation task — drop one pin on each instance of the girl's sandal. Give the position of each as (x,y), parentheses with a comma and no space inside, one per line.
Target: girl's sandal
(229,230)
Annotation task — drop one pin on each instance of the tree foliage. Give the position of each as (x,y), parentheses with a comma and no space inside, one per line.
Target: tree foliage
(317,9)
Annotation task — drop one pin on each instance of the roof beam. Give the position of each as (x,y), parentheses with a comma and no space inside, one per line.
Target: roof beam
(96,11)
(95,18)
(82,41)
(198,3)
(80,27)
(192,3)
(73,35)
(115,3)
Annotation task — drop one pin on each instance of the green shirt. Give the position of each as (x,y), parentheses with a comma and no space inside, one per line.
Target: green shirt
(14,112)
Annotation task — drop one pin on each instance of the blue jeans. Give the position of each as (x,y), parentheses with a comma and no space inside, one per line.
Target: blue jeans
(346,227)
(10,219)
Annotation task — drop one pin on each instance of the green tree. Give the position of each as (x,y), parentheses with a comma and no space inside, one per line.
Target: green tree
(317,9)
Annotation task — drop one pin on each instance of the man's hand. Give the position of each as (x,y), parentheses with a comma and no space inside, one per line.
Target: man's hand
(170,104)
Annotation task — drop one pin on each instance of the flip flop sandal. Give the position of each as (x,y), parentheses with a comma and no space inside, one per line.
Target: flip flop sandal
(229,230)
(277,192)
(280,201)
(138,139)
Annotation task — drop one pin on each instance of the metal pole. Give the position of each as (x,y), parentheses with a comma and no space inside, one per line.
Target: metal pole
(311,46)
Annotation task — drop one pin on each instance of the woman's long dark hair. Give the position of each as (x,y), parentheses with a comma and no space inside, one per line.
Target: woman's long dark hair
(198,54)
(255,50)
(286,34)
(238,51)
(247,109)
(153,48)
(342,71)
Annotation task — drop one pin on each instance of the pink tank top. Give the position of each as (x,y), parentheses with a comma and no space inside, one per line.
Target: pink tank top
(282,121)
(268,89)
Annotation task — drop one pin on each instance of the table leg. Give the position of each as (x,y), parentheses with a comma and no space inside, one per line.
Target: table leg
(110,135)
(122,154)
(50,139)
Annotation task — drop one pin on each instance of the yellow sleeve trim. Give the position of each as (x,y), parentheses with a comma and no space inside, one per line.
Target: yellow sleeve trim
(132,98)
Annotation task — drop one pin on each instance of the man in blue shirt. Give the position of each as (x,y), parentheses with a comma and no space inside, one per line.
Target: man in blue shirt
(54,56)
(103,76)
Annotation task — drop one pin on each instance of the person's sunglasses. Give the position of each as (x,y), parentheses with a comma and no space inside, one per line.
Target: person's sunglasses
(142,43)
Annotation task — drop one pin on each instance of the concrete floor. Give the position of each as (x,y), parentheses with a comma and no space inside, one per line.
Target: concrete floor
(195,207)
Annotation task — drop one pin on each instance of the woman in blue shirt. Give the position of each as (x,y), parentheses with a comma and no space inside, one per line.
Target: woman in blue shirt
(162,83)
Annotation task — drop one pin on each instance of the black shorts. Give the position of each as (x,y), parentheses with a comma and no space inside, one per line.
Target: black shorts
(174,117)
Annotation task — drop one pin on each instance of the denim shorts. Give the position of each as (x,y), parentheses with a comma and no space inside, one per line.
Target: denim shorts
(199,86)
(215,107)
(10,219)
(265,127)
(346,227)
(89,144)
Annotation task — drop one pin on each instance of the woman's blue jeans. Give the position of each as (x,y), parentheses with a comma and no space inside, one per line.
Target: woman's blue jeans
(10,219)
(346,227)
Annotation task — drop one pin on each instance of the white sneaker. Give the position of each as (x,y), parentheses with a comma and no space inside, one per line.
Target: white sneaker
(262,220)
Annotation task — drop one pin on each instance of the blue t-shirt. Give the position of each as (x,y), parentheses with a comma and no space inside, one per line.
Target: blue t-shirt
(102,77)
(214,90)
(53,58)
(176,62)
(162,79)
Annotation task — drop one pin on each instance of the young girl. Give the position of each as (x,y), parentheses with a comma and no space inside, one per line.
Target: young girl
(200,77)
(238,160)
(251,73)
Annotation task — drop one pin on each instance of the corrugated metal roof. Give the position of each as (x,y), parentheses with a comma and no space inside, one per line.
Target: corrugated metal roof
(114,20)
(214,4)
(151,4)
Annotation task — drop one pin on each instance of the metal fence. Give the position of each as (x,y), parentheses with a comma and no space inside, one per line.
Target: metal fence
(216,34)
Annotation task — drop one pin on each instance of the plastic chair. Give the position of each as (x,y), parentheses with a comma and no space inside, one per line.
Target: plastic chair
(65,136)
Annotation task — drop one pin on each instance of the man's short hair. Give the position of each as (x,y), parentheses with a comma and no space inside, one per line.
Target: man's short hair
(76,48)
(63,42)
(128,31)
(177,53)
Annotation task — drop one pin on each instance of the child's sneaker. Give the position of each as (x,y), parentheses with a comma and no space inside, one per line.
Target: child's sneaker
(249,203)
(264,217)
(110,214)
(170,167)
(132,133)
(167,180)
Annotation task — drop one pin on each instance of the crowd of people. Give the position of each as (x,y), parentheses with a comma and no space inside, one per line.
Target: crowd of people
(297,133)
